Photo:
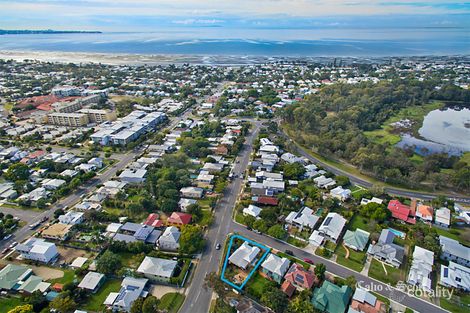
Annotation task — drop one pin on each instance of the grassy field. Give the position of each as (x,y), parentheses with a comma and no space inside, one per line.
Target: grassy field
(394,274)
(457,304)
(171,302)
(466,158)
(95,302)
(360,222)
(131,260)
(10,303)
(296,242)
(462,235)
(355,261)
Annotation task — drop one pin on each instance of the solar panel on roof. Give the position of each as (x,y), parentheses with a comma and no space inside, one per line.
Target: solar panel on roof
(328,221)
(299,278)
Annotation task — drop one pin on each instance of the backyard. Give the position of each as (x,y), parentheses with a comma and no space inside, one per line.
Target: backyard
(10,303)
(256,285)
(95,302)
(457,304)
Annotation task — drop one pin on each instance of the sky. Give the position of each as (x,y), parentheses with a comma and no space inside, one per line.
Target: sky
(149,15)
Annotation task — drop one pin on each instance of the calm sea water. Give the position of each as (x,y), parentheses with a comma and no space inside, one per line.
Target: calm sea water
(266,42)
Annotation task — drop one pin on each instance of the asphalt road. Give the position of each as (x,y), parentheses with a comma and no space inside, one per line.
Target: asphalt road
(367,184)
(332,267)
(198,299)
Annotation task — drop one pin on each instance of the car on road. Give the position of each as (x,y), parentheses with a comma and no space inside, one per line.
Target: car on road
(307,260)
(248,227)
(257,231)
(289,252)
(5,250)
(13,244)
(7,237)
(217,246)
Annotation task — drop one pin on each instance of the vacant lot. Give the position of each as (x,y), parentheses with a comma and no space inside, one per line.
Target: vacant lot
(70,254)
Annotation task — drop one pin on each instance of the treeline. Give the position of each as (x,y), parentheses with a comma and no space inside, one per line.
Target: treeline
(333,121)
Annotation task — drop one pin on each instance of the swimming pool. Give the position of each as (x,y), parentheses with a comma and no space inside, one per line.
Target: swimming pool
(400,234)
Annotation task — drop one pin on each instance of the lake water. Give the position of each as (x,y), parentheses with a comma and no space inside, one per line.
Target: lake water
(264,42)
(446,131)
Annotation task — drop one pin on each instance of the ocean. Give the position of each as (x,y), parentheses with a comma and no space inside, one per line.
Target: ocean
(255,42)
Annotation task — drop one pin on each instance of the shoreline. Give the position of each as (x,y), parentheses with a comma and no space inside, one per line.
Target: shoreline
(136,59)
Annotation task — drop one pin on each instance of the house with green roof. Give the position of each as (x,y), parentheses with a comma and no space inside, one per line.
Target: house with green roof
(331,298)
(12,275)
(32,284)
(356,240)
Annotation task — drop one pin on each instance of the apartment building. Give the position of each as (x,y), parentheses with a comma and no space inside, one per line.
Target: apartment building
(68,119)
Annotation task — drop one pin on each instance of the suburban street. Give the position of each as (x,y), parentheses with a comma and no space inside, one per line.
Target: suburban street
(198,299)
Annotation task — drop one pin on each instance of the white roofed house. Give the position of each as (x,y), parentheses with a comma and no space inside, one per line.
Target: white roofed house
(52,184)
(244,255)
(290,158)
(421,268)
(304,218)
(324,182)
(169,240)
(274,186)
(365,201)
(72,218)
(157,269)
(37,249)
(340,193)
(269,149)
(192,192)
(184,203)
(455,276)
(442,217)
(452,250)
(131,289)
(275,267)
(133,176)
(252,210)
(332,227)
(92,281)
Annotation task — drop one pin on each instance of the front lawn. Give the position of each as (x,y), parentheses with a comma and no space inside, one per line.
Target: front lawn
(95,302)
(457,304)
(462,235)
(393,275)
(355,260)
(296,242)
(171,302)
(69,277)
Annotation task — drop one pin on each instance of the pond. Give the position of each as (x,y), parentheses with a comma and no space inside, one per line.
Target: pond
(443,131)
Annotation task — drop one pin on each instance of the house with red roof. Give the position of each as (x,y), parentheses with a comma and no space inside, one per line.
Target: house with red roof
(153,220)
(401,211)
(266,200)
(288,288)
(179,219)
(425,212)
(298,276)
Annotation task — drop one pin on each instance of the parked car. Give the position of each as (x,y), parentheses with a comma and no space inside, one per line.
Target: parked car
(307,260)
(289,252)
(217,246)
(257,231)
(7,237)
(13,244)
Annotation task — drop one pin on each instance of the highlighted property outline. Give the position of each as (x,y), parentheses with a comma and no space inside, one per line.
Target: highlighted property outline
(255,268)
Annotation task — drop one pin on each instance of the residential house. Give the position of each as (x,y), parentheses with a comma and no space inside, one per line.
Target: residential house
(442,218)
(98,162)
(264,175)
(340,193)
(365,201)
(387,251)
(364,301)
(69,173)
(133,176)
(252,210)
(52,184)
(92,281)
(248,306)
(169,240)
(421,268)
(72,218)
(57,231)
(331,298)
(290,158)
(192,192)
(356,240)
(452,250)
(131,289)
(332,227)
(213,168)
(37,249)
(298,276)
(244,255)
(153,220)
(425,212)
(11,275)
(265,200)
(184,203)
(157,269)
(275,267)
(324,182)
(179,219)
(401,212)
(35,195)
(455,276)
(304,218)
(288,288)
